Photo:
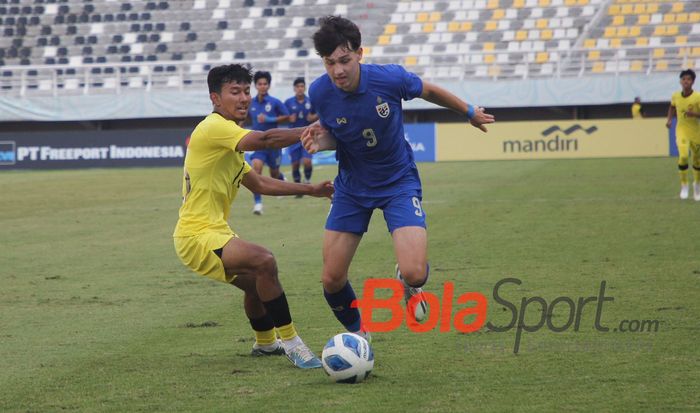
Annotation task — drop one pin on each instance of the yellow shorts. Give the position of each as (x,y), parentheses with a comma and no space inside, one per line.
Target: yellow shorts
(197,253)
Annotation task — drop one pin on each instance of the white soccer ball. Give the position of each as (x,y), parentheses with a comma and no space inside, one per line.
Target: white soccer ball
(347,358)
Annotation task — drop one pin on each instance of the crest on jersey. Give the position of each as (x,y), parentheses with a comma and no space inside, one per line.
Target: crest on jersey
(268,107)
(307,105)
(382,108)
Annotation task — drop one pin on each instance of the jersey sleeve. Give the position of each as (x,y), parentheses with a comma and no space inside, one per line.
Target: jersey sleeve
(312,108)
(673,100)
(409,84)
(227,134)
(246,167)
(315,96)
(281,108)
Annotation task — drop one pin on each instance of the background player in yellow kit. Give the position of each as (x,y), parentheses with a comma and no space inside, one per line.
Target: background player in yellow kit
(685,106)
(214,170)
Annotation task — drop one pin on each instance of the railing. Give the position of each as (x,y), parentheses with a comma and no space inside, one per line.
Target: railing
(116,78)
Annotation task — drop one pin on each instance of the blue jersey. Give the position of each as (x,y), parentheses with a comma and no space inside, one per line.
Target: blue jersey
(269,106)
(374,158)
(301,109)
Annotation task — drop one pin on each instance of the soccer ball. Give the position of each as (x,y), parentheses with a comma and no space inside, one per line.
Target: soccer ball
(347,358)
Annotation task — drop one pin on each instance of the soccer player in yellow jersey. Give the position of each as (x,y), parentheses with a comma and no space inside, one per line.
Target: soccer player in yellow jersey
(685,106)
(636,109)
(214,170)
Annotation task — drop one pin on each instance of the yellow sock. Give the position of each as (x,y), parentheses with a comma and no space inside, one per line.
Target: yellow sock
(265,338)
(684,177)
(287,332)
(696,176)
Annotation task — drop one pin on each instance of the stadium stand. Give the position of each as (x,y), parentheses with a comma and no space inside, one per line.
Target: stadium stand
(108,46)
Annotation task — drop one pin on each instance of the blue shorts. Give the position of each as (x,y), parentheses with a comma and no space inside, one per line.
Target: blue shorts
(297,151)
(270,157)
(351,213)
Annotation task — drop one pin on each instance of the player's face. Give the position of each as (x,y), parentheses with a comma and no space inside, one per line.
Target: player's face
(262,86)
(343,67)
(687,82)
(299,89)
(233,101)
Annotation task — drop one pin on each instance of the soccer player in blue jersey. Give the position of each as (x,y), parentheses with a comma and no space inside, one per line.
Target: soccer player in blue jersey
(360,112)
(266,112)
(302,113)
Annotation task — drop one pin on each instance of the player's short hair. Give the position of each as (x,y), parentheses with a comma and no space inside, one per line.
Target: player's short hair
(299,80)
(688,72)
(262,75)
(336,31)
(227,73)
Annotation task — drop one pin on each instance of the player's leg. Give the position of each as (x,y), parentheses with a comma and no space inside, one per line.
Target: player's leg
(295,157)
(308,165)
(338,251)
(258,158)
(266,342)
(255,271)
(683,149)
(274,161)
(346,222)
(695,152)
(202,253)
(405,221)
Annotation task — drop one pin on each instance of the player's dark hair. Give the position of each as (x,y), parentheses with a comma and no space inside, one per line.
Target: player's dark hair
(299,80)
(262,75)
(227,73)
(336,31)
(688,72)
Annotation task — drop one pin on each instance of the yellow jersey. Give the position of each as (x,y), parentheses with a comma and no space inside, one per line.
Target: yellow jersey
(637,111)
(687,127)
(212,174)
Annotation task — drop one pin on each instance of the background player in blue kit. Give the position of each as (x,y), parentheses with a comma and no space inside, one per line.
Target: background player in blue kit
(266,112)
(302,113)
(360,112)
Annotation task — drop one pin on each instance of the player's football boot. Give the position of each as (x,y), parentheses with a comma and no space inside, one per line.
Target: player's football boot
(258,209)
(408,292)
(364,334)
(696,191)
(301,356)
(275,349)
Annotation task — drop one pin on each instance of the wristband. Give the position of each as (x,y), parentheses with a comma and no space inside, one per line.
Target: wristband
(470,112)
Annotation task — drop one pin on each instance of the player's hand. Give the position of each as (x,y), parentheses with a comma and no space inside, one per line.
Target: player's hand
(481,118)
(669,123)
(309,138)
(292,118)
(261,118)
(323,190)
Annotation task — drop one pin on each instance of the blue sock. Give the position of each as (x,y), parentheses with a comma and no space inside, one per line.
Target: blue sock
(281,177)
(297,175)
(257,197)
(307,173)
(340,304)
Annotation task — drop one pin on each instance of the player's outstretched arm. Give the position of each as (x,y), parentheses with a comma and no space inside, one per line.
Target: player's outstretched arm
(270,139)
(315,139)
(441,97)
(269,186)
(670,116)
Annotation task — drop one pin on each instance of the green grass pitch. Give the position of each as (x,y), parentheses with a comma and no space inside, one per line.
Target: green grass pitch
(97,314)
